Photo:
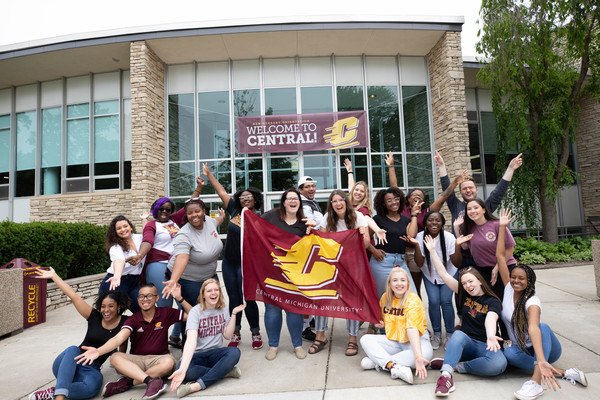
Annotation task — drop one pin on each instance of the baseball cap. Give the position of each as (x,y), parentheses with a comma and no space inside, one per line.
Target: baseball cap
(305,179)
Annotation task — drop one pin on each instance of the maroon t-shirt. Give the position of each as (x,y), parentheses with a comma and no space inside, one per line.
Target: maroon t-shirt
(151,338)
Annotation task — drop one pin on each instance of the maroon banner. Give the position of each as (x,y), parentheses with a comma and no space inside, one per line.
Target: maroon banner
(324,274)
(302,132)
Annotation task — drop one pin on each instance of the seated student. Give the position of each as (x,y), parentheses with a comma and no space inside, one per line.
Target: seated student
(533,346)
(204,360)
(104,320)
(475,348)
(406,341)
(149,360)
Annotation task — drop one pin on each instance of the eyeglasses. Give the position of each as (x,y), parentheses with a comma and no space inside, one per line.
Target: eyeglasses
(392,201)
(246,197)
(147,296)
(292,199)
(167,209)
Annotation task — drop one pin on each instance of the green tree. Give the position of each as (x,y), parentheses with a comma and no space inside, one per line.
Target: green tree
(544,59)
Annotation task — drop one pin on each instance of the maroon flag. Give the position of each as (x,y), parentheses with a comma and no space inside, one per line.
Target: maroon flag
(302,132)
(324,274)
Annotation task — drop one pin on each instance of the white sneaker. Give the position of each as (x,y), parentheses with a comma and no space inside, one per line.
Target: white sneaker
(366,363)
(401,372)
(529,391)
(435,340)
(574,375)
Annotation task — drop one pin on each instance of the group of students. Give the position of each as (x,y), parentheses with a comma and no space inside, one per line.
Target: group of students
(176,258)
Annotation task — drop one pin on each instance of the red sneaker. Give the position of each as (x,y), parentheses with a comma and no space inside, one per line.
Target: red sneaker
(44,394)
(155,387)
(235,340)
(116,387)
(257,341)
(445,386)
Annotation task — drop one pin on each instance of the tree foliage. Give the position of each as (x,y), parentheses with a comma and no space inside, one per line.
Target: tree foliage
(544,56)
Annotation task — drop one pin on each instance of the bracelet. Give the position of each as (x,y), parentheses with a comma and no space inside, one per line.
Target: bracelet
(180,301)
(350,173)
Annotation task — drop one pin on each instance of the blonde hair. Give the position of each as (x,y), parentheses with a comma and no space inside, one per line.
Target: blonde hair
(202,300)
(366,202)
(389,293)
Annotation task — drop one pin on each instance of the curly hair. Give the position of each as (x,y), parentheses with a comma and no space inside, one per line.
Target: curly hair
(258,198)
(425,204)
(332,217)
(469,225)
(122,299)
(366,202)
(111,234)
(519,316)
(194,200)
(379,201)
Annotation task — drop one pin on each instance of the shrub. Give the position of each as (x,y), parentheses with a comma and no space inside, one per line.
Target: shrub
(533,251)
(72,249)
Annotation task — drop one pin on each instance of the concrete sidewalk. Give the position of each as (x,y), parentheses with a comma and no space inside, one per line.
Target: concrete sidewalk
(570,307)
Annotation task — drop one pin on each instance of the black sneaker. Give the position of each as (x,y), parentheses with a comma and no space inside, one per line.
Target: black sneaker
(309,335)
(175,342)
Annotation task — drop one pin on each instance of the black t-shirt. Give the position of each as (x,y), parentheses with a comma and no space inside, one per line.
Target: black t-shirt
(394,229)
(298,228)
(96,335)
(474,311)
(232,251)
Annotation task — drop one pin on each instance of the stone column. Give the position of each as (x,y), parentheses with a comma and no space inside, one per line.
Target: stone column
(448,103)
(147,127)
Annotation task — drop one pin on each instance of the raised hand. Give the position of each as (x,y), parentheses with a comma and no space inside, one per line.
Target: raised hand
(506,217)
(438,159)
(239,308)
(416,208)
(463,239)
(516,162)
(429,243)
(348,165)
(205,169)
(199,181)
(43,273)
(389,159)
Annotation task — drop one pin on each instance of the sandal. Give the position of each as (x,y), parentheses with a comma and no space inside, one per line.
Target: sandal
(317,346)
(352,349)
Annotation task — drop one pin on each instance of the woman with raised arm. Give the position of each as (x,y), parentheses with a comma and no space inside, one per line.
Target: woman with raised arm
(205,360)
(340,217)
(289,217)
(439,295)
(406,341)
(104,320)
(533,346)
(358,192)
(475,349)
(123,246)
(250,198)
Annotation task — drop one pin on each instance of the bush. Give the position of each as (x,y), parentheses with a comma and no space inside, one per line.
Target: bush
(533,251)
(72,249)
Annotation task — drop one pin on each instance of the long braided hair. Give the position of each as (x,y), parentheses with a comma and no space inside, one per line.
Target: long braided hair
(441,235)
(519,317)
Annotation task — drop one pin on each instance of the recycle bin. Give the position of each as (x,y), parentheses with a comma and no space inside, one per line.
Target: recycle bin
(34,292)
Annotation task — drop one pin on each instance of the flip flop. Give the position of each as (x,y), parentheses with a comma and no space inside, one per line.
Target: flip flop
(317,346)
(352,349)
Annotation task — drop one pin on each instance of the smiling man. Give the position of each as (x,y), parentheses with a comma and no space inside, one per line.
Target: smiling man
(149,360)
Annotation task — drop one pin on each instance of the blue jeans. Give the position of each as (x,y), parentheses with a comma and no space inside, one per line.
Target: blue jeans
(155,274)
(130,285)
(352,326)
(73,380)
(525,359)
(439,296)
(232,277)
(474,357)
(381,270)
(210,366)
(274,320)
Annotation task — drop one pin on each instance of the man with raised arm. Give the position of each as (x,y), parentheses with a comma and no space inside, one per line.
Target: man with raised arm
(149,360)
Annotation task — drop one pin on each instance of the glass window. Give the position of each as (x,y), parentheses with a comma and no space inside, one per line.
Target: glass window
(51,150)
(359,166)
(78,141)
(419,170)
(380,171)
(384,118)
(322,169)
(26,145)
(213,119)
(316,99)
(4,155)
(283,172)
(127,143)
(350,98)
(106,144)
(490,145)
(416,118)
(182,179)
(181,127)
(222,171)
(280,101)
(248,172)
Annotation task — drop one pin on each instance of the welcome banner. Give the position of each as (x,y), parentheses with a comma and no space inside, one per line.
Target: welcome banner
(302,132)
(324,274)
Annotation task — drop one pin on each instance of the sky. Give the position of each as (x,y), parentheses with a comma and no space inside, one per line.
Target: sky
(30,21)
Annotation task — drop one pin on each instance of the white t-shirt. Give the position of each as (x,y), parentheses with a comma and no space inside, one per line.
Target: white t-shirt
(361,220)
(116,253)
(429,271)
(209,324)
(165,232)
(508,307)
